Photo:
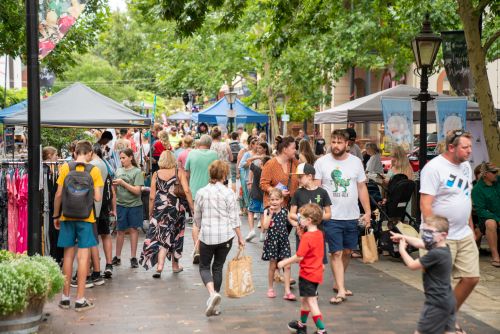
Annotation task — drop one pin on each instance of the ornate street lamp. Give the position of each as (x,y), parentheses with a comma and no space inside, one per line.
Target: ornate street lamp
(425,48)
(231,99)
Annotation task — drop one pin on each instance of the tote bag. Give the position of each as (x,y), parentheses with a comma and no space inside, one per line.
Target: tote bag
(369,246)
(239,281)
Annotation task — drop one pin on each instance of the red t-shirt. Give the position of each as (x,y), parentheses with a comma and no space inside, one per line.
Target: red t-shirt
(158,148)
(312,249)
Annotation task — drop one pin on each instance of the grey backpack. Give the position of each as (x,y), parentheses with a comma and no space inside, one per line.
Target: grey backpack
(78,192)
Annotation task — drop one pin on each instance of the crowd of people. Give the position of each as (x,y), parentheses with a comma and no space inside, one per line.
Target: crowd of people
(315,189)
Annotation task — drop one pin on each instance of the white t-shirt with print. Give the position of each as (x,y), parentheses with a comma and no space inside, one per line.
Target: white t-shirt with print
(451,186)
(340,179)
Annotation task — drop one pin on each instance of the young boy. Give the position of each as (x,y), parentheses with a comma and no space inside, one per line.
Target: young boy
(310,255)
(438,314)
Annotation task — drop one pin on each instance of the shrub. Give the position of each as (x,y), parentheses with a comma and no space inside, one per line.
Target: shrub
(24,279)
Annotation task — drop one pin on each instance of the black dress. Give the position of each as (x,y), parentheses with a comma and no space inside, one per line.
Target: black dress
(277,245)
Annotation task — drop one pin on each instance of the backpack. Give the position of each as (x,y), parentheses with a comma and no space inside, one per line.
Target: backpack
(235,149)
(78,192)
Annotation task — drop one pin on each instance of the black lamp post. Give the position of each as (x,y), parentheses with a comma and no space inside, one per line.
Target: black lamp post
(425,48)
(231,99)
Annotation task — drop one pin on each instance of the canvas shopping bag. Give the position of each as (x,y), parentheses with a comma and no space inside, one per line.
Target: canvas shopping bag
(369,247)
(239,281)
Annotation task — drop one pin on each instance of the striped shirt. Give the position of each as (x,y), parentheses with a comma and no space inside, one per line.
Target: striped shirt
(216,213)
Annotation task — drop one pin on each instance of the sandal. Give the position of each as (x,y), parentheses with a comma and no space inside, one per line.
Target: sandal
(289,296)
(495,263)
(157,274)
(178,270)
(337,300)
(271,293)
(348,293)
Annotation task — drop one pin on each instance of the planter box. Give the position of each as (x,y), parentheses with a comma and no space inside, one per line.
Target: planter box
(24,322)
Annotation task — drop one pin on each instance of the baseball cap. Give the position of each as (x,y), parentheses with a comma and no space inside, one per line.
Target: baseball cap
(305,169)
(351,133)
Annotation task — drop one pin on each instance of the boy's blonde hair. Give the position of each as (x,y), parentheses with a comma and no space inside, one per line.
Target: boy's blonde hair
(312,211)
(439,223)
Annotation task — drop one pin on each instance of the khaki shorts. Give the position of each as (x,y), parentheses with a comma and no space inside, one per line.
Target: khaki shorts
(464,257)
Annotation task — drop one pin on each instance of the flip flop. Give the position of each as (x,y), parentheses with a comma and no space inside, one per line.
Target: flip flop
(157,274)
(337,300)
(178,270)
(495,263)
(348,293)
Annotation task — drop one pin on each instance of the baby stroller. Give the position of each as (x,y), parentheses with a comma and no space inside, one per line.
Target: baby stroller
(399,193)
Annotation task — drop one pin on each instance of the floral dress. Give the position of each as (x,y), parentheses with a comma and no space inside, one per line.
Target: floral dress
(277,245)
(166,228)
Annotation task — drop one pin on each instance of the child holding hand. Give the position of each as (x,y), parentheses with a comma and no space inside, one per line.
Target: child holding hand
(438,313)
(277,245)
(310,255)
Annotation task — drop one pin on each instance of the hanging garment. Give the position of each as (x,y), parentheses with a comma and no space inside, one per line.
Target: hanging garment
(22,224)
(46,212)
(12,210)
(3,211)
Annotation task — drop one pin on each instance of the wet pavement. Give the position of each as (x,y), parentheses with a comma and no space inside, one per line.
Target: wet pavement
(133,302)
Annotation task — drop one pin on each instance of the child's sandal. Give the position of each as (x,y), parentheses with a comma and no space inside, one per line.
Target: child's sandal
(271,293)
(290,296)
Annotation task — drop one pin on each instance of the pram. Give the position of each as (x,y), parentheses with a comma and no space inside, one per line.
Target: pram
(392,213)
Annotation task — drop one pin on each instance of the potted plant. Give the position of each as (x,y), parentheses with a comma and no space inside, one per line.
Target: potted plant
(26,282)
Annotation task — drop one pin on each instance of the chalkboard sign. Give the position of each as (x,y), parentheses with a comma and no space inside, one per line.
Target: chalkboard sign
(456,62)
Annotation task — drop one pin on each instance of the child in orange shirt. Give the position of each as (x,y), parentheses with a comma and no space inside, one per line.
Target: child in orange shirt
(310,255)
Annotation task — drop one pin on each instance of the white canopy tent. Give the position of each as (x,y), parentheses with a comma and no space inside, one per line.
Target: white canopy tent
(369,109)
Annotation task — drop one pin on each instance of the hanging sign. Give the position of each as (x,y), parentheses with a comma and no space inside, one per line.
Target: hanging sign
(450,115)
(55,18)
(398,123)
(456,62)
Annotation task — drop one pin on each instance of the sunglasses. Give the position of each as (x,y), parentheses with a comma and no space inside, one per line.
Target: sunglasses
(457,134)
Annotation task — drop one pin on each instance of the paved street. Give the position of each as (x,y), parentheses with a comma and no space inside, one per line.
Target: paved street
(134,302)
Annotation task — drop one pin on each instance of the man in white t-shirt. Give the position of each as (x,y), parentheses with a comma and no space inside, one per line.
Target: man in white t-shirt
(445,190)
(342,175)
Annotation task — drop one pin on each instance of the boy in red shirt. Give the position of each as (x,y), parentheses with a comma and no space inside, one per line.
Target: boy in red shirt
(310,255)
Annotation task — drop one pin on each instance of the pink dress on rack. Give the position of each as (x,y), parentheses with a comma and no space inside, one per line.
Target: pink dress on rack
(12,211)
(22,206)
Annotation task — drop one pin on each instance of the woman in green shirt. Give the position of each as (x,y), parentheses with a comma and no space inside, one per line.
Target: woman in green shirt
(128,182)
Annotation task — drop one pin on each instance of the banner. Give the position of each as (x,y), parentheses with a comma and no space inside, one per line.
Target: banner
(398,123)
(450,115)
(55,18)
(456,62)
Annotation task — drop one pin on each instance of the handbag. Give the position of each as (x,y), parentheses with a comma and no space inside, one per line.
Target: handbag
(369,247)
(239,282)
(178,189)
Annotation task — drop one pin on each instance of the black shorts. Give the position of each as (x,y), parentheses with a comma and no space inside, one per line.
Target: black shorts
(435,319)
(103,226)
(307,288)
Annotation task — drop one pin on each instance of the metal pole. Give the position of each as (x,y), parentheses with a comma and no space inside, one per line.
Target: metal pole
(423,98)
(34,228)
(231,119)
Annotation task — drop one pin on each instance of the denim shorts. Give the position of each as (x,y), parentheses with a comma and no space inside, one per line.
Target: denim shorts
(341,234)
(76,233)
(129,217)
(256,206)
(232,171)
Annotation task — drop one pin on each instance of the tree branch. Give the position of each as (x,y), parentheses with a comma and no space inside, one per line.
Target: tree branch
(491,40)
(482,5)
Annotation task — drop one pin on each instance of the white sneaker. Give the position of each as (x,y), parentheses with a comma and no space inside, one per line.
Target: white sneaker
(262,236)
(250,236)
(212,302)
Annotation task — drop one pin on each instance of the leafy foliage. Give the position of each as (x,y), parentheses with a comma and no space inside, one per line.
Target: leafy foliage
(24,278)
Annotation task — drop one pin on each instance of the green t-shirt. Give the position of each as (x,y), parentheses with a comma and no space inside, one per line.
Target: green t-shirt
(134,177)
(197,165)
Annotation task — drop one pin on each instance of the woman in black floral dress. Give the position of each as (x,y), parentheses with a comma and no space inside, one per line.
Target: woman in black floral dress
(165,237)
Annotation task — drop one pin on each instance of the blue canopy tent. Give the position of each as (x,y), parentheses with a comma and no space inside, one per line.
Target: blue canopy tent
(217,114)
(13,109)
(180,116)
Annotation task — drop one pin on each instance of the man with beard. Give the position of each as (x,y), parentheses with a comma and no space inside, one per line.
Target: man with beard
(445,190)
(342,175)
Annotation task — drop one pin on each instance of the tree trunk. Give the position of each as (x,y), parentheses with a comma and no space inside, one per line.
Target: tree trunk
(272,105)
(477,61)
